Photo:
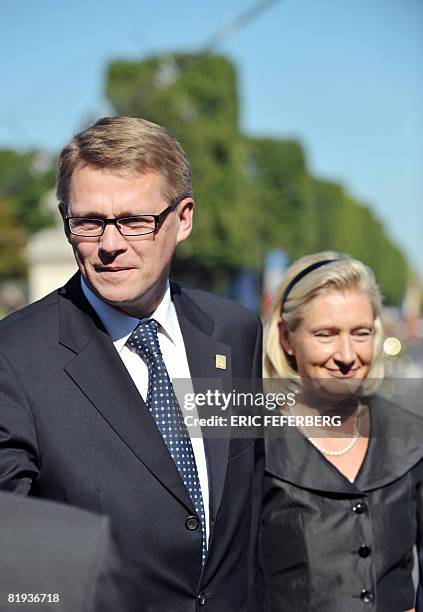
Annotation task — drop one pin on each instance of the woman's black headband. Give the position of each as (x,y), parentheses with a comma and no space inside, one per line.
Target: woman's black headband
(300,275)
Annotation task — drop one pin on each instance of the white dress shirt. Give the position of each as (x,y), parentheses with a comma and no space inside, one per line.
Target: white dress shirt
(119,326)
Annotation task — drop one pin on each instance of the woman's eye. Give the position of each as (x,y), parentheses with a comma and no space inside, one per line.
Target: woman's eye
(363,333)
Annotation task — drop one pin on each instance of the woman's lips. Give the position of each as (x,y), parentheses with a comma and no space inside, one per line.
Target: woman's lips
(342,374)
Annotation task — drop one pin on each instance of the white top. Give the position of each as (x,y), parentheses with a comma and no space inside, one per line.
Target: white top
(119,326)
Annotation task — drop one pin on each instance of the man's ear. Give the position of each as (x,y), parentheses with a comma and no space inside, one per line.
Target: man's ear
(284,339)
(185,212)
(63,211)
(67,233)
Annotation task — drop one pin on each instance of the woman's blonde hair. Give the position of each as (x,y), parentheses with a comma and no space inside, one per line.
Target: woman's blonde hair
(338,272)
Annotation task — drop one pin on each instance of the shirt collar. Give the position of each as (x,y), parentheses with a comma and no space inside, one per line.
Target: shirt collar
(120,325)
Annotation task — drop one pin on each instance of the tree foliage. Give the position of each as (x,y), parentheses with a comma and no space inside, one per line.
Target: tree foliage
(281,194)
(253,194)
(24,179)
(195,97)
(349,226)
(12,243)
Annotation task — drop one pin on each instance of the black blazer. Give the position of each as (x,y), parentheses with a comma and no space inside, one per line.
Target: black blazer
(74,428)
(329,545)
(62,554)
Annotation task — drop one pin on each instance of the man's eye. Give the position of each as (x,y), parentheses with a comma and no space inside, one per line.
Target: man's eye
(137,222)
(324,334)
(363,333)
(86,224)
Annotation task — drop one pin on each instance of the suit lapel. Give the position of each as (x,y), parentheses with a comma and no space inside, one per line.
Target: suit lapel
(201,350)
(99,372)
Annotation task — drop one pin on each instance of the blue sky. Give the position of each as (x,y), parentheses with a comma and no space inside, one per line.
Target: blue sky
(345,77)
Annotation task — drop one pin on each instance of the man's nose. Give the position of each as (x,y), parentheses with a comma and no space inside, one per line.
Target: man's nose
(112,240)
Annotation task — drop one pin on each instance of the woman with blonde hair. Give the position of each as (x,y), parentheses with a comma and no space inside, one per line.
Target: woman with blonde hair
(343,487)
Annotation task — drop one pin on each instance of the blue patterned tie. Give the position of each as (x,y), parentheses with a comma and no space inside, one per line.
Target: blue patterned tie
(165,409)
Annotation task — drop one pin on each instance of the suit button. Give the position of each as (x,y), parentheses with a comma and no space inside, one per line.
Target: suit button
(360,508)
(366,596)
(364,551)
(192,523)
(201,599)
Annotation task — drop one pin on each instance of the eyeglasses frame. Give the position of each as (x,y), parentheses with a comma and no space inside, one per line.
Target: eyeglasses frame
(158,221)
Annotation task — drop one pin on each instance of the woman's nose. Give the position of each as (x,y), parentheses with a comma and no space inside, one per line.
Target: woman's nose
(345,352)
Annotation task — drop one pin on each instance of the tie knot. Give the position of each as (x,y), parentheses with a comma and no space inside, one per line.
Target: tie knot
(144,339)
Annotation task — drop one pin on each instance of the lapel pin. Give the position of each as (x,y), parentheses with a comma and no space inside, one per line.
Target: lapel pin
(221,362)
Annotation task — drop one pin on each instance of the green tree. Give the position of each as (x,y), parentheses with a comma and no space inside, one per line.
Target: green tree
(349,226)
(12,242)
(253,194)
(24,179)
(195,96)
(281,194)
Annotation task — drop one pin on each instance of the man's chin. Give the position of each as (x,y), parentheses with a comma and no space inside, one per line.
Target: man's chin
(138,299)
(116,296)
(120,301)
(138,305)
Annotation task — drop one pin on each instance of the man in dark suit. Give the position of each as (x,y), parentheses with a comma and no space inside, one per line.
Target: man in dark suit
(88,414)
(54,557)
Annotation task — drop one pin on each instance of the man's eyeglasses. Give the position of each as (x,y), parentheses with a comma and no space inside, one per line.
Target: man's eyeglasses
(137,225)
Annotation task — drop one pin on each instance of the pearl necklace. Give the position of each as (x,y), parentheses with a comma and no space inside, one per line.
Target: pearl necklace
(341,451)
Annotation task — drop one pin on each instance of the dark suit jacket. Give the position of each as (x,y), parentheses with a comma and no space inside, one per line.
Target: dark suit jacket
(74,428)
(51,549)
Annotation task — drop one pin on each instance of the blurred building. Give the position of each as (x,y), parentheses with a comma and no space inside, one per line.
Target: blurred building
(49,256)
